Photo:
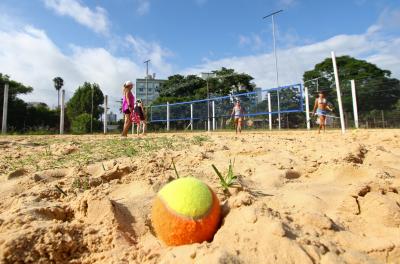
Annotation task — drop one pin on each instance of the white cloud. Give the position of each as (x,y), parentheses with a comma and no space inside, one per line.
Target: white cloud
(29,56)
(96,19)
(143,7)
(253,41)
(145,50)
(293,61)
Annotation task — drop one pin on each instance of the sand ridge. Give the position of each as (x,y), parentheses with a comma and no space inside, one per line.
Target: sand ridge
(302,198)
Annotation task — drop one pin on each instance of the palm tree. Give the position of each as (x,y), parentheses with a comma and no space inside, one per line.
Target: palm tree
(58,84)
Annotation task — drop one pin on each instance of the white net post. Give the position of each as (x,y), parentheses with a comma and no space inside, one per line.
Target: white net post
(5,108)
(307,107)
(355,108)
(191,117)
(105,113)
(167,116)
(339,96)
(269,110)
(279,110)
(62,112)
(213,115)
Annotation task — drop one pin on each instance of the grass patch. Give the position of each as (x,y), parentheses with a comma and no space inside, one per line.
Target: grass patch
(199,140)
(38,155)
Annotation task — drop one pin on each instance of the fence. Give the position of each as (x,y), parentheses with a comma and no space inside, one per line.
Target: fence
(260,107)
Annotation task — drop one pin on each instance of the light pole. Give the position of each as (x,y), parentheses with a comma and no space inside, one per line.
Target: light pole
(272,15)
(147,82)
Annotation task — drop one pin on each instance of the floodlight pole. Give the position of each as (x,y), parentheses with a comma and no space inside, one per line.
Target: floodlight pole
(272,15)
(147,82)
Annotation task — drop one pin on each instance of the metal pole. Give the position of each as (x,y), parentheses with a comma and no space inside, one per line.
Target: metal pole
(91,114)
(355,108)
(191,117)
(307,108)
(167,116)
(213,114)
(147,82)
(5,108)
(339,95)
(277,73)
(269,110)
(208,108)
(105,113)
(62,112)
(383,119)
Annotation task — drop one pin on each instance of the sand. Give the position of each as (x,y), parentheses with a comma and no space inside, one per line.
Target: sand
(301,198)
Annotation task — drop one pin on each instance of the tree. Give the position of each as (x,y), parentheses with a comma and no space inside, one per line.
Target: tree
(81,101)
(375,88)
(179,88)
(58,84)
(228,81)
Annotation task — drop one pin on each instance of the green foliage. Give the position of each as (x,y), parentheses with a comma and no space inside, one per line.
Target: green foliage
(230,178)
(375,88)
(179,88)
(81,101)
(81,124)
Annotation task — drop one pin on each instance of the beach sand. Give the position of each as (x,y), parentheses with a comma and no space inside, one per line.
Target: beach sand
(302,197)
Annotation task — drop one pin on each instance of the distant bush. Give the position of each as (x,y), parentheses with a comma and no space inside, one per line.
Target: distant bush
(81,124)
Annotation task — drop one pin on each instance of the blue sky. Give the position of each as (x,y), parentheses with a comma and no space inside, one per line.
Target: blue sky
(107,41)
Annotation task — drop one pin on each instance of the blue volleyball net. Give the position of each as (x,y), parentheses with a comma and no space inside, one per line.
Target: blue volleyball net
(257,105)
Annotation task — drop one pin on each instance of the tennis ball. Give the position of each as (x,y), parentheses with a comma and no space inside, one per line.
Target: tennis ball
(185,211)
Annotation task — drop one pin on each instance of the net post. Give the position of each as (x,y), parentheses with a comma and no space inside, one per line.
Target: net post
(279,110)
(191,117)
(269,110)
(213,114)
(167,116)
(355,108)
(62,112)
(105,114)
(5,108)
(339,97)
(307,107)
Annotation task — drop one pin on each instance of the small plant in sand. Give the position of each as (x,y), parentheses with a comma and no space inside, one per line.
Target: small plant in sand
(81,183)
(198,140)
(176,171)
(230,179)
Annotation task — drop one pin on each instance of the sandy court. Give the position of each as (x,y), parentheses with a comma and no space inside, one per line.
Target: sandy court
(303,197)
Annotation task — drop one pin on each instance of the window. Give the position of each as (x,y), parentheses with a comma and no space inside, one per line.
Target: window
(141,90)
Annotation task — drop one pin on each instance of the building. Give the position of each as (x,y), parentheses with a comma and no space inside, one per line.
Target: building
(111,117)
(153,86)
(259,94)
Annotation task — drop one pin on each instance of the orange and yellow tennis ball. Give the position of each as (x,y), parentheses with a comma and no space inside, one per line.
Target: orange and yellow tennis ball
(185,211)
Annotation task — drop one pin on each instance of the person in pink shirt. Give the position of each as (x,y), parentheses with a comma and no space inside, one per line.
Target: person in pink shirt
(128,104)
